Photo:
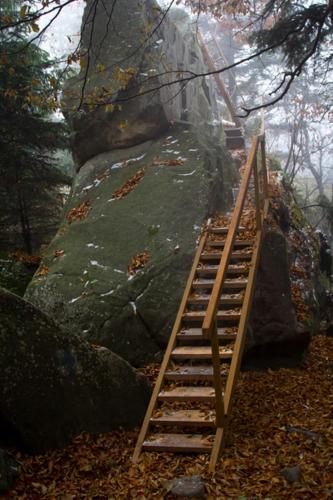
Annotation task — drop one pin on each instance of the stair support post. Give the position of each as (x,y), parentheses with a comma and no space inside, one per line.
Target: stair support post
(241,335)
(264,165)
(219,403)
(257,194)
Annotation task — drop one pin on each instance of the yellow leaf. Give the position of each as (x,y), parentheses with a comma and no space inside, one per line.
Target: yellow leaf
(100,68)
(109,108)
(34,27)
(23,10)
(122,125)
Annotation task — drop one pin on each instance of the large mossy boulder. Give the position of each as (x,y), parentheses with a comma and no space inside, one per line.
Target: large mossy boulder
(286,310)
(144,53)
(87,287)
(54,385)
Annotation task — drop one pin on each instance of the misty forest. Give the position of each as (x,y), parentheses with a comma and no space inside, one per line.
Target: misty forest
(166,239)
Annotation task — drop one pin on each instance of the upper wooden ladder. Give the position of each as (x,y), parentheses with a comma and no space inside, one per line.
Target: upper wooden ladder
(191,403)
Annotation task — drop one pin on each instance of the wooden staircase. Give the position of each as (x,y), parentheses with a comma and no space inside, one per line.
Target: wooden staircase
(191,403)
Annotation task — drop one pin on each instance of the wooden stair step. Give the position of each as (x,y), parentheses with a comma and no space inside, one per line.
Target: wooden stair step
(238,255)
(199,352)
(186,443)
(204,298)
(201,283)
(235,142)
(196,334)
(223,230)
(237,243)
(233,132)
(212,270)
(190,373)
(197,418)
(187,394)
(221,315)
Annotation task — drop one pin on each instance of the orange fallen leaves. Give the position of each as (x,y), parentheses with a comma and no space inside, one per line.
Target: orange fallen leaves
(258,447)
(79,212)
(20,256)
(58,253)
(137,262)
(168,163)
(43,271)
(129,185)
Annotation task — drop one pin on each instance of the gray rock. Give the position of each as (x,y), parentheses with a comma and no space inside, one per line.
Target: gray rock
(54,385)
(292,474)
(187,486)
(88,289)
(274,337)
(15,276)
(9,471)
(304,432)
(172,48)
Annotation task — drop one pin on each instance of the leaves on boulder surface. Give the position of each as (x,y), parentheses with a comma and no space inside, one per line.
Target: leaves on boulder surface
(258,448)
(138,261)
(43,271)
(129,185)
(26,258)
(174,162)
(58,253)
(79,212)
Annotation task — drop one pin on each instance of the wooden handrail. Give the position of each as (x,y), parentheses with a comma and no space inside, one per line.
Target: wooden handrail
(219,82)
(251,167)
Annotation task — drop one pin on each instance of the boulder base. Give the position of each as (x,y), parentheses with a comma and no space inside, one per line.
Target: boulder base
(55,385)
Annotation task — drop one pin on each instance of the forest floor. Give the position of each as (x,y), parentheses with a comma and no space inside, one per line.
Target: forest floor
(260,445)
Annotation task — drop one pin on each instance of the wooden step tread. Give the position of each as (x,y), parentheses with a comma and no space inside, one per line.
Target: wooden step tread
(228,300)
(221,315)
(228,283)
(237,243)
(199,352)
(196,334)
(197,418)
(187,394)
(223,230)
(187,443)
(188,373)
(238,255)
(212,270)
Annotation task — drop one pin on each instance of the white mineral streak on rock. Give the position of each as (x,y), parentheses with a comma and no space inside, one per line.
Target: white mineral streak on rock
(74,300)
(189,173)
(133,307)
(107,293)
(97,264)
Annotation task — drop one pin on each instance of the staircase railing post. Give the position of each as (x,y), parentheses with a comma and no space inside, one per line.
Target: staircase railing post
(257,193)
(219,403)
(264,166)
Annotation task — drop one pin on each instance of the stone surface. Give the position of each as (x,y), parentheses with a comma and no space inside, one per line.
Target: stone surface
(9,471)
(54,385)
(292,474)
(137,45)
(87,289)
(14,275)
(273,322)
(187,486)
(279,329)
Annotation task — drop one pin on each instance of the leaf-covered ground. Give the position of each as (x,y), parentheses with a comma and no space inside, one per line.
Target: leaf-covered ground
(260,446)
